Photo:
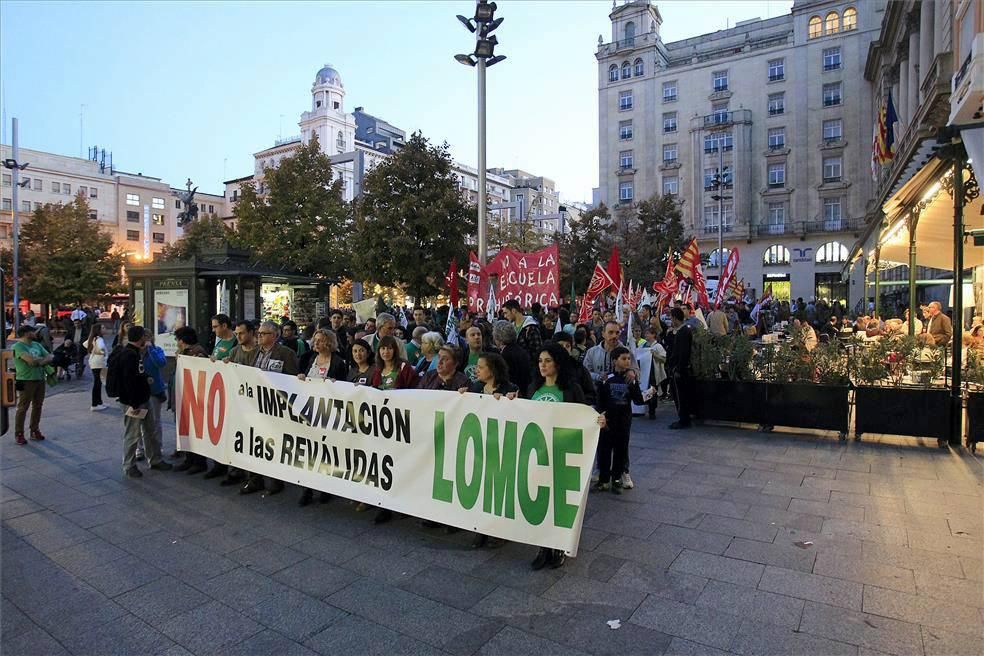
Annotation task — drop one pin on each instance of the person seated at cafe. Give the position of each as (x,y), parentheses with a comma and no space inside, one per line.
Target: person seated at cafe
(938,330)
(831,328)
(874,327)
(918,321)
(804,336)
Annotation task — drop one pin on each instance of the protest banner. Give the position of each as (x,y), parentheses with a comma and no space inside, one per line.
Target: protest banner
(517,470)
(477,284)
(527,277)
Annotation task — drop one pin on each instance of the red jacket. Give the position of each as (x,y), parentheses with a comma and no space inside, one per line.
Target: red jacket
(406,379)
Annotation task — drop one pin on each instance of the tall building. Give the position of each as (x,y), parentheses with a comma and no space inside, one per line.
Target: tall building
(762,131)
(140,211)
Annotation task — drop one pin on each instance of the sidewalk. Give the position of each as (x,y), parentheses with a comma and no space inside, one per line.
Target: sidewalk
(731,542)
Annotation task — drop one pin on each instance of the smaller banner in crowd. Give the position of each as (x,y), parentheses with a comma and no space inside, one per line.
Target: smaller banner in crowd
(517,470)
(726,283)
(526,277)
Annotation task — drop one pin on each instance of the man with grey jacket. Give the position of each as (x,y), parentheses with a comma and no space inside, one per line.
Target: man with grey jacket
(598,360)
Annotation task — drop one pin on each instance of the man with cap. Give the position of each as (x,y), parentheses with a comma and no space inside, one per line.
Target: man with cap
(30,360)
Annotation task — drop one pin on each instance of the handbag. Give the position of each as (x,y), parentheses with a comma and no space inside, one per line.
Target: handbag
(50,375)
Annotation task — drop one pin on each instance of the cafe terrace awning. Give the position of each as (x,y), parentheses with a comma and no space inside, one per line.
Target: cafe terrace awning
(934,229)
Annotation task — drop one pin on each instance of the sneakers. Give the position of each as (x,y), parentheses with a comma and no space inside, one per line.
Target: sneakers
(627,481)
(541,560)
(20,439)
(99,408)
(139,455)
(601,487)
(133,472)
(37,436)
(162,466)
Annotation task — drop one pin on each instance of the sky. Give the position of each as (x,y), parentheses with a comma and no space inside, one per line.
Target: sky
(193,89)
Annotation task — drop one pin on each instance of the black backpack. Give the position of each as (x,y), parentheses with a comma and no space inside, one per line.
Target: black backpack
(113,372)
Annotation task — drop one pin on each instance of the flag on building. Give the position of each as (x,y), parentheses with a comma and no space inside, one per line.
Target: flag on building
(883,140)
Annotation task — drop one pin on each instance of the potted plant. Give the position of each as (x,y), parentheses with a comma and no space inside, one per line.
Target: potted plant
(808,389)
(726,389)
(974,379)
(885,403)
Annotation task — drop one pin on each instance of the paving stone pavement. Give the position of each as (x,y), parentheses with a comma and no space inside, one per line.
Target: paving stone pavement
(732,542)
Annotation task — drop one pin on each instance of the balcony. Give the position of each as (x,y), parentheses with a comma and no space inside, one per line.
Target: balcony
(721,119)
(770,229)
(777,111)
(831,225)
(831,67)
(832,102)
(777,78)
(669,99)
(713,229)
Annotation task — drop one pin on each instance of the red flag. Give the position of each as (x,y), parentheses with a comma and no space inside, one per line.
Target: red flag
(669,285)
(700,286)
(614,268)
(725,283)
(600,281)
(452,282)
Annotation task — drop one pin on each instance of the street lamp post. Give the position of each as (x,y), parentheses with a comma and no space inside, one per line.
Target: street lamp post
(720,180)
(482,25)
(15,169)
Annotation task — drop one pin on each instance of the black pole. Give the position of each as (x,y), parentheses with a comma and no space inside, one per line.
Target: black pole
(956,401)
(4,417)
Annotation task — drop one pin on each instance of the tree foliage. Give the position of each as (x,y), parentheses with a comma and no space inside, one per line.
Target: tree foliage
(652,230)
(66,257)
(582,246)
(207,233)
(302,220)
(411,220)
(514,233)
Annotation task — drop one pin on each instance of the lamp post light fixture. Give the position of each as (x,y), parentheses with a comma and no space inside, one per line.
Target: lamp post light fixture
(482,25)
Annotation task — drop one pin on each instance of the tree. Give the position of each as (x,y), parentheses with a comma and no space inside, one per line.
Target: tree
(513,233)
(411,220)
(302,221)
(655,229)
(66,257)
(582,246)
(206,233)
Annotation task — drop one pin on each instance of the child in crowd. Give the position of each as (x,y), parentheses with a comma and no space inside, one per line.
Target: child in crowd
(616,394)
(64,355)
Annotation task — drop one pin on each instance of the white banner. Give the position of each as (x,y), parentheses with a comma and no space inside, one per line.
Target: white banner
(517,470)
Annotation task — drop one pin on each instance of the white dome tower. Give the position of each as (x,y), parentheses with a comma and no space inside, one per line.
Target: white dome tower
(328,120)
(328,90)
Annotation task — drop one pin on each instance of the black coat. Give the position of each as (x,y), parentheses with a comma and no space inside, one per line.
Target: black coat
(337,369)
(133,385)
(678,353)
(518,362)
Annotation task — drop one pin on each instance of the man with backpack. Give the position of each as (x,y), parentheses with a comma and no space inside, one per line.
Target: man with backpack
(132,384)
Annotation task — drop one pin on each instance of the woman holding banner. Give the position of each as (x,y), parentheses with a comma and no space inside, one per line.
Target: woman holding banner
(361,371)
(554,381)
(322,361)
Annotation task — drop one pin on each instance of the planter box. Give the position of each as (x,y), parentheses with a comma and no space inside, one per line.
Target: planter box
(975,413)
(903,411)
(808,405)
(727,400)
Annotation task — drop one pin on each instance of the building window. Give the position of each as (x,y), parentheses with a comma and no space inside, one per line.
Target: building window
(158,219)
(671,185)
(832,23)
(669,91)
(832,252)
(775,255)
(816,27)
(157,203)
(850,19)
(717,140)
(831,169)
(84,191)
(777,219)
(93,215)
(777,175)
(831,59)
(132,199)
(37,206)
(719,80)
(832,213)
(7,180)
(832,94)
(718,257)
(626,70)
(630,33)
(719,113)
(625,159)
(711,216)
(777,104)
(211,209)
(625,130)
(133,235)
(340,142)
(56,187)
(625,191)
(613,73)
(37,184)
(624,100)
(638,68)
(158,237)
(67,189)
(132,217)
(669,153)
(777,70)
(25,206)
(832,130)
(177,204)
(669,122)
(777,138)
(709,178)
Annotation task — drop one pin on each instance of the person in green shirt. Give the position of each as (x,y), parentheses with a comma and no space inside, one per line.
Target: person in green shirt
(30,359)
(476,347)
(225,339)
